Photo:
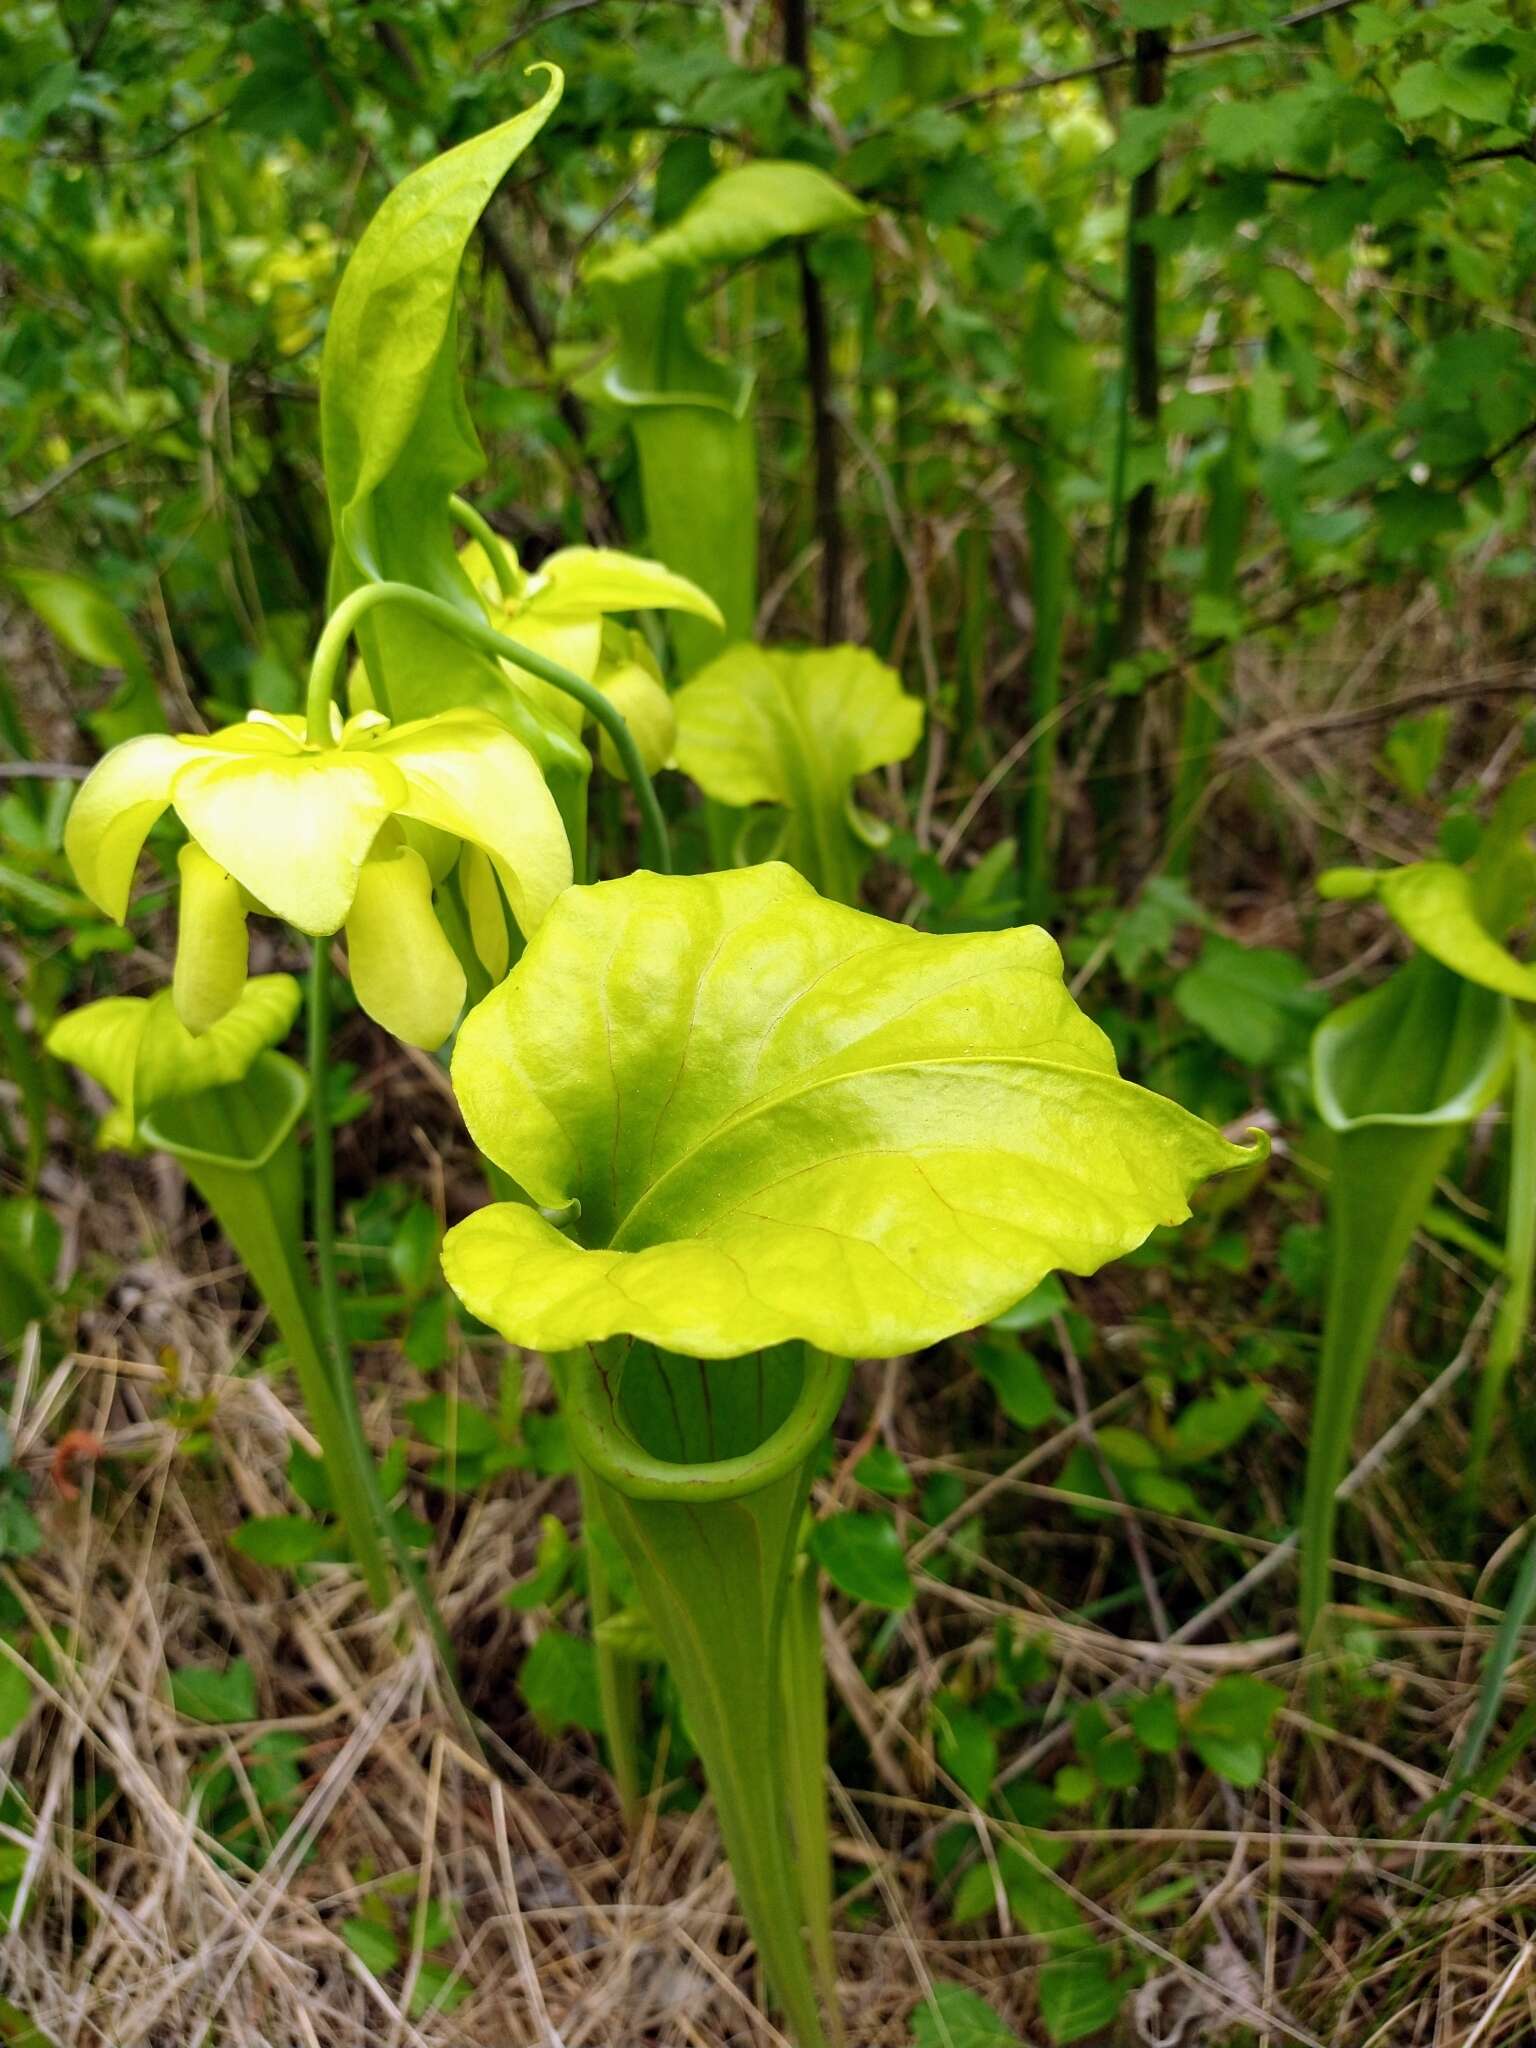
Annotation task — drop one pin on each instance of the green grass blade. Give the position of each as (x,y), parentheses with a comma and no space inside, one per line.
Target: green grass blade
(1511,1329)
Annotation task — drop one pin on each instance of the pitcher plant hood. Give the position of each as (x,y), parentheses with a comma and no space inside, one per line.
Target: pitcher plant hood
(772,1117)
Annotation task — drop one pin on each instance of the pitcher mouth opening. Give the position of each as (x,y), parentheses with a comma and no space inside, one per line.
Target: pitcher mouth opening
(239,1126)
(604,1437)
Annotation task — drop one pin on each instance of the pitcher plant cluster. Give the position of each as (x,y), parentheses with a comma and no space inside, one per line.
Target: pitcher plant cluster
(741,1131)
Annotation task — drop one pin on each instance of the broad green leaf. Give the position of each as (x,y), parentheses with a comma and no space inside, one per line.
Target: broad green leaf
(1230,1727)
(761,726)
(737,215)
(29,1254)
(1415,747)
(16,1695)
(957,2018)
(203,1693)
(550,1568)
(967,1746)
(458,1427)
(1156,1721)
(1078,1996)
(1022,1390)
(882,1471)
(1037,1307)
(396,433)
(1215,1422)
(285,1540)
(16,2029)
(1253,1001)
(376,1946)
(781,1118)
(559,1682)
(83,617)
(91,626)
(862,1556)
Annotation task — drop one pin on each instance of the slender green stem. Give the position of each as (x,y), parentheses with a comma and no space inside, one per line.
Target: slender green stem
(1511,1330)
(1383,1176)
(1225,520)
(1048,547)
(236,1144)
(712,1546)
(322,1222)
(333,1333)
(1506,1648)
(340,626)
(491,544)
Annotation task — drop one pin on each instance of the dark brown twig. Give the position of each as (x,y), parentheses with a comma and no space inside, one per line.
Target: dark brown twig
(1037,81)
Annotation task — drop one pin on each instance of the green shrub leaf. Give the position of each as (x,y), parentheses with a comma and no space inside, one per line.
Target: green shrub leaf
(957,2018)
(862,1556)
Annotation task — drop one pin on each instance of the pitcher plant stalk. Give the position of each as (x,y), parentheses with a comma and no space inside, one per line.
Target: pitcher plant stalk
(712,1540)
(1511,1332)
(239,1148)
(1398,1075)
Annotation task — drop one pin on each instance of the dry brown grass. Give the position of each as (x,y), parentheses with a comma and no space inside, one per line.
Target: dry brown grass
(1314,1902)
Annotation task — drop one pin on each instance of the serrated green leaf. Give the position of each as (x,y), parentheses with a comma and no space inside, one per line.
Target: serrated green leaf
(786,1119)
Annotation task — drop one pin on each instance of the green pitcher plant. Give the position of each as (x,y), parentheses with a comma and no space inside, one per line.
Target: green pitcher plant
(1398,1075)
(793,732)
(349,833)
(225,1106)
(766,1134)
(565,610)
(689,411)
(747,1133)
